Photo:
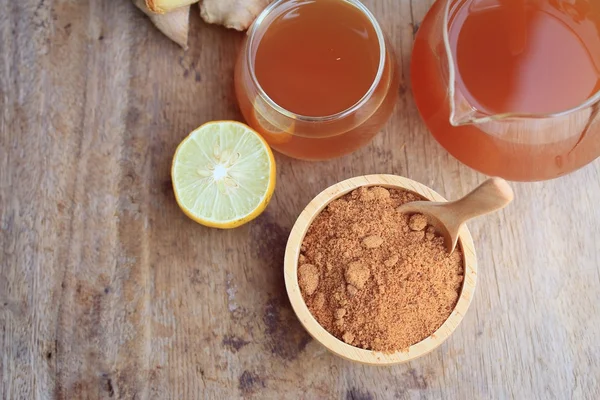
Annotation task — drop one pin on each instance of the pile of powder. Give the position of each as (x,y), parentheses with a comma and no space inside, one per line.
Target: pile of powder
(374,277)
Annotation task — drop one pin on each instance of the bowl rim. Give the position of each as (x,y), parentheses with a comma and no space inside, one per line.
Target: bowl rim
(319,333)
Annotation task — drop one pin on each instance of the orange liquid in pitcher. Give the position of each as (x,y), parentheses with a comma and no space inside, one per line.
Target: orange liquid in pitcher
(533,64)
(317,59)
(513,56)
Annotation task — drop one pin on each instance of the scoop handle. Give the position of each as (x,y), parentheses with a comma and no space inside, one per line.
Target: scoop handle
(491,195)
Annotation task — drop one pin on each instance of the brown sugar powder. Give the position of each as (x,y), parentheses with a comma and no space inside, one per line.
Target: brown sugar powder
(376,278)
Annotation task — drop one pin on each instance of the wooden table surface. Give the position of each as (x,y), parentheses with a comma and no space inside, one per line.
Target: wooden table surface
(108,291)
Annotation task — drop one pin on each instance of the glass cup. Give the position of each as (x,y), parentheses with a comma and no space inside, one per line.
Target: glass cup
(314,137)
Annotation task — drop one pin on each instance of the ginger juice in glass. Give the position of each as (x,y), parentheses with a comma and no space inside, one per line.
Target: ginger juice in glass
(316,78)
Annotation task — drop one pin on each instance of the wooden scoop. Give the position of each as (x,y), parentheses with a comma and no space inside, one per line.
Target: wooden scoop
(448,218)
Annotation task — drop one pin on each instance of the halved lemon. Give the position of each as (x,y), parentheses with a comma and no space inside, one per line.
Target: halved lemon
(223,174)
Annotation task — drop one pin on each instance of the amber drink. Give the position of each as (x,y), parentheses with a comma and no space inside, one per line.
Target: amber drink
(316,78)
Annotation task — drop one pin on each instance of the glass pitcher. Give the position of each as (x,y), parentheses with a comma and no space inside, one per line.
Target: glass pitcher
(511,88)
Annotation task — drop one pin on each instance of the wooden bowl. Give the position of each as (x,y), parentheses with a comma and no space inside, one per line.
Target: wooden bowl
(337,346)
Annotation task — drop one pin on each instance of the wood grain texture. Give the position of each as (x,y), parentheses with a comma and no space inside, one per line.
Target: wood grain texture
(108,291)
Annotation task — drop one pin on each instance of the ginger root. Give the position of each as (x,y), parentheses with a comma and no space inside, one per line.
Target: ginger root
(163,6)
(171,17)
(175,24)
(236,14)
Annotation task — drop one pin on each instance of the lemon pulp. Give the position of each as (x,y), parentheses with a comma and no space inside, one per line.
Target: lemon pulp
(223,174)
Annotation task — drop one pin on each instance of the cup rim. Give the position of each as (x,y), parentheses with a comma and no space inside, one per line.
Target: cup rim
(255,28)
(319,333)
